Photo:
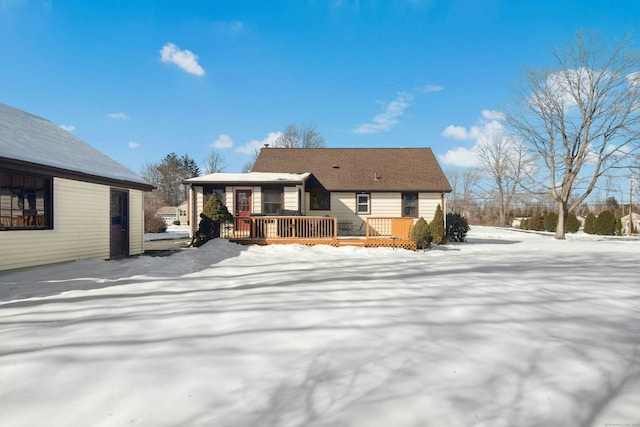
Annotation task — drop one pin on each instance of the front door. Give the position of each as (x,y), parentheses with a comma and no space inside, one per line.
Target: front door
(119,223)
(243,208)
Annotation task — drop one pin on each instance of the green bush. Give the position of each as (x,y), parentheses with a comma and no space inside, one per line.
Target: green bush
(572,224)
(524,224)
(457,227)
(606,223)
(590,224)
(420,234)
(438,233)
(550,221)
(619,227)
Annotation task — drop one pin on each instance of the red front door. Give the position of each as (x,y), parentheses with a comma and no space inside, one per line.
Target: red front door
(243,208)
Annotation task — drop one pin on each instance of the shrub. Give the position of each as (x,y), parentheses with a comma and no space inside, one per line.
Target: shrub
(438,233)
(176,222)
(606,223)
(154,224)
(420,234)
(550,221)
(590,224)
(572,224)
(457,227)
(524,224)
(536,222)
(619,227)
(213,214)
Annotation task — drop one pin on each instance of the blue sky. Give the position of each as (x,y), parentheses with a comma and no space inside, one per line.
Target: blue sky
(140,79)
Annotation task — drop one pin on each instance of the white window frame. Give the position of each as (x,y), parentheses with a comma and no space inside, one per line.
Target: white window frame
(366,204)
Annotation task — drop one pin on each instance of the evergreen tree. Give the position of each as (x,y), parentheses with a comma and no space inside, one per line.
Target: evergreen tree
(550,221)
(590,224)
(573,223)
(420,234)
(438,233)
(211,218)
(618,226)
(457,227)
(606,223)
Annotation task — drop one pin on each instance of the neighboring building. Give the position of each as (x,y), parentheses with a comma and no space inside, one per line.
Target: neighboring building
(348,183)
(183,213)
(168,213)
(625,223)
(61,199)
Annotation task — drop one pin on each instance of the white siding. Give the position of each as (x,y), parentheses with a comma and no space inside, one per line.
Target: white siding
(291,198)
(136,222)
(427,203)
(256,198)
(386,205)
(81,229)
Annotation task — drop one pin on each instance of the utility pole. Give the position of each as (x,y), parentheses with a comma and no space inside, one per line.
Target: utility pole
(630,204)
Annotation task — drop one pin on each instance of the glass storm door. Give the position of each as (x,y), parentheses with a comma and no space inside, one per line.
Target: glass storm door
(119,223)
(243,208)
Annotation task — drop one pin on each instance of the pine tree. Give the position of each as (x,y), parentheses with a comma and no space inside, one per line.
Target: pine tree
(457,227)
(550,221)
(211,219)
(606,223)
(572,225)
(420,234)
(590,224)
(438,233)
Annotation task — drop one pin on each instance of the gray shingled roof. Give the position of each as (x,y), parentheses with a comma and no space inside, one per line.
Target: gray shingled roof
(360,169)
(31,139)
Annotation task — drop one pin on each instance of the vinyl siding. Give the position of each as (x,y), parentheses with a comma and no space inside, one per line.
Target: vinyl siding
(291,198)
(386,204)
(136,222)
(427,204)
(81,229)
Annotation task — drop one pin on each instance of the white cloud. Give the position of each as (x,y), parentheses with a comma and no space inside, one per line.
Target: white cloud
(492,115)
(430,88)
(223,141)
(68,128)
(133,144)
(463,156)
(118,116)
(460,156)
(253,145)
(384,121)
(455,132)
(185,59)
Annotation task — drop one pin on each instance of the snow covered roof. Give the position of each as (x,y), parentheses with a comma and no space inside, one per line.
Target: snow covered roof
(251,177)
(28,138)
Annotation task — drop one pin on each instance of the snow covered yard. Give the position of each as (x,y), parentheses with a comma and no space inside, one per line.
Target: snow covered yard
(509,329)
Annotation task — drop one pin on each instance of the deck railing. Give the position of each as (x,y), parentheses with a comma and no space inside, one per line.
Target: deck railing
(280,227)
(385,228)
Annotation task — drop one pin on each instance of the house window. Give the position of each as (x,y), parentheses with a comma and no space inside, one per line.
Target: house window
(363,203)
(25,201)
(410,204)
(319,200)
(272,200)
(210,190)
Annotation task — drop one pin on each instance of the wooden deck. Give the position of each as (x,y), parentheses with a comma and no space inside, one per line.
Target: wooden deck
(305,230)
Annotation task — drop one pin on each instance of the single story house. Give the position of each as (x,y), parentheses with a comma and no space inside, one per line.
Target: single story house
(169,214)
(626,226)
(350,184)
(61,199)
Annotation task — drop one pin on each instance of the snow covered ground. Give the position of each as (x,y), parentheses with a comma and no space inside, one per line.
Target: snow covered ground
(173,232)
(509,329)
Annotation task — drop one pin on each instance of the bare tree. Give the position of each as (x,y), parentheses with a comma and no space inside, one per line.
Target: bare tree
(463,184)
(304,136)
(507,163)
(582,116)
(214,163)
